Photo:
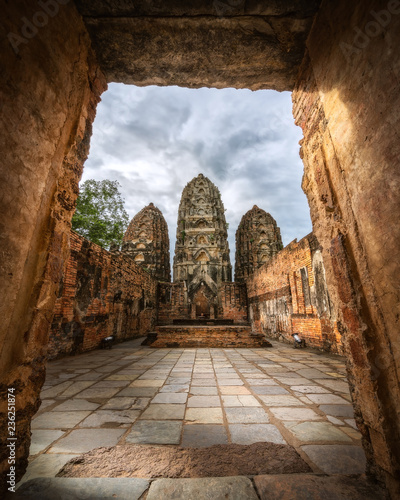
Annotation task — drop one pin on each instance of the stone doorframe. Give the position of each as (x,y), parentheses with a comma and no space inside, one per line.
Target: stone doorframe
(345,98)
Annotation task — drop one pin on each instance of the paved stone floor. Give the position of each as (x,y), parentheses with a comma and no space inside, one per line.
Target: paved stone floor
(197,397)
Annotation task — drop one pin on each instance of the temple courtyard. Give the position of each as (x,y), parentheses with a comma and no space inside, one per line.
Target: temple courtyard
(196,398)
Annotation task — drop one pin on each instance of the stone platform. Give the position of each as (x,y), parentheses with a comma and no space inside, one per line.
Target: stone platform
(206,336)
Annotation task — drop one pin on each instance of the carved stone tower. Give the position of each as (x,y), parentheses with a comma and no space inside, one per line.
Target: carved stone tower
(146,240)
(258,239)
(202,253)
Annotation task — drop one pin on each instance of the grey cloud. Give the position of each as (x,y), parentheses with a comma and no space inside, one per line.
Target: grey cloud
(154,140)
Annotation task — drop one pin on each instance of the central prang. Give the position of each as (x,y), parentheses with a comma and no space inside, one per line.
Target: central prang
(202,252)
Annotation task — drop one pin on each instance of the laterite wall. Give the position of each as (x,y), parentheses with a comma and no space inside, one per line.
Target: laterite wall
(101,294)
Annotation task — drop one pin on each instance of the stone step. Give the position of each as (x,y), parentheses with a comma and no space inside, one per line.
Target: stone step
(265,487)
(206,336)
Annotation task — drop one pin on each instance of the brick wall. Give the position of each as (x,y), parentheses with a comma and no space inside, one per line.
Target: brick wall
(171,303)
(233,302)
(289,295)
(101,294)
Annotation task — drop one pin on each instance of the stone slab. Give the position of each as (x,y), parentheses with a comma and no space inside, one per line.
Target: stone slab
(247,415)
(204,415)
(239,400)
(83,440)
(316,431)
(110,418)
(327,399)
(76,404)
(155,432)
(46,465)
(59,419)
(76,388)
(335,385)
(236,389)
(220,488)
(125,403)
(255,433)
(204,391)
(204,402)
(310,389)
(170,397)
(278,400)
(164,412)
(42,438)
(138,392)
(261,381)
(337,459)
(63,488)
(147,383)
(338,410)
(110,383)
(199,436)
(295,413)
(175,388)
(315,487)
(293,380)
(268,389)
(98,393)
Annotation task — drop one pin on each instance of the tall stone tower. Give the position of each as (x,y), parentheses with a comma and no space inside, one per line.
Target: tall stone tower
(146,240)
(202,253)
(258,239)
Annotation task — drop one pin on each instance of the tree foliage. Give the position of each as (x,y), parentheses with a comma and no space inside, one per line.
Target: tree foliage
(100,215)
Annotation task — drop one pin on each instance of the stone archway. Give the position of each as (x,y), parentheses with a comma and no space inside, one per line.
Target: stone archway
(348,113)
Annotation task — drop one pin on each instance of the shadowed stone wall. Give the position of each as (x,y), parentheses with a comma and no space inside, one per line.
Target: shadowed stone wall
(347,102)
(50,86)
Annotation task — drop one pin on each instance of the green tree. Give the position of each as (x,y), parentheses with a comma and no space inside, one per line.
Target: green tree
(100,215)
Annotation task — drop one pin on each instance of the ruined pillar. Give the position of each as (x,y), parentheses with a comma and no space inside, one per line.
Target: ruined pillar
(50,88)
(347,102)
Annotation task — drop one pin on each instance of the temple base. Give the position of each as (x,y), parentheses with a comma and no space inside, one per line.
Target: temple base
(205,336)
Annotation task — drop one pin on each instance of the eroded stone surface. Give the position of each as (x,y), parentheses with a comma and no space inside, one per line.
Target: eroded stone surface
(229,488)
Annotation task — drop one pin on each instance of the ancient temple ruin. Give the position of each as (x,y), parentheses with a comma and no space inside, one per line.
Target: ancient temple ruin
(146,240)
(202,252)
(128,292)
(258,239)
(339,60)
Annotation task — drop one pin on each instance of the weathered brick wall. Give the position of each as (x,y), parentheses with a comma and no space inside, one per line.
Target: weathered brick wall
(171,303)
(289,295)
(233,302)
(208,336)
(101,294)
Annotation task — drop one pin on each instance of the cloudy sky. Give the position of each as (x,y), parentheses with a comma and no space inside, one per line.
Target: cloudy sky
(154,140)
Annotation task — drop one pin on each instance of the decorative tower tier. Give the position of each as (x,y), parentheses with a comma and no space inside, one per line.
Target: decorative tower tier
(202,251)
(258,239)
(146,240)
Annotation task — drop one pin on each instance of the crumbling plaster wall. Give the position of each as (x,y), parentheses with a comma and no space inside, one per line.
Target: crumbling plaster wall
(347,102)
(289,295)
(50,86)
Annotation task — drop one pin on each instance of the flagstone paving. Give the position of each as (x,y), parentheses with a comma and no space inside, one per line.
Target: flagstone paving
(196,398)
